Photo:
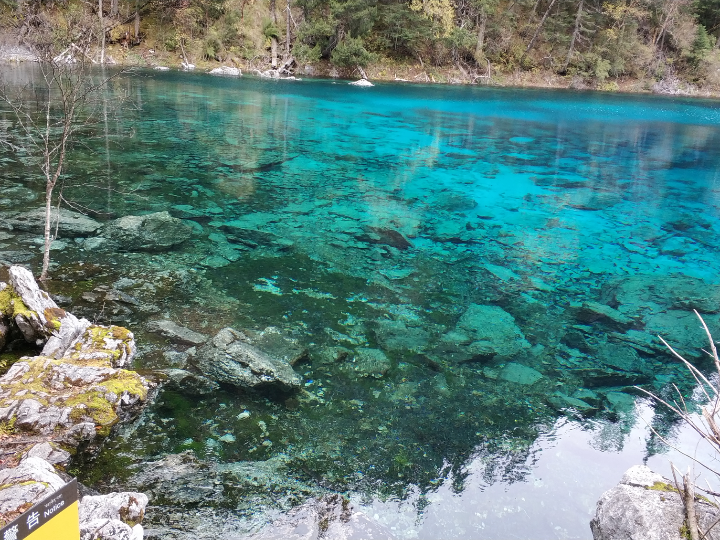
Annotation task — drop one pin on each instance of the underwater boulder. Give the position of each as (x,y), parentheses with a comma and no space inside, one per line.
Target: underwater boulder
(69,224)
(370,363)
(189,383)
(331,516)
(229,359)
(648,293)
(152,232)
(491,330)
(176,333)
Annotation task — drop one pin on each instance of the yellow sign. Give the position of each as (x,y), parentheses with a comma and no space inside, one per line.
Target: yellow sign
(54,518)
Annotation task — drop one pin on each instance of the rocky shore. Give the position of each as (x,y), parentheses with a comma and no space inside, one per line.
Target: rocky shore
(647,506)
(61,404)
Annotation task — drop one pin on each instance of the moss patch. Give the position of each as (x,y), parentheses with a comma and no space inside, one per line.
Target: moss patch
(53,318)
(11,305)
(662,486)
(8,427)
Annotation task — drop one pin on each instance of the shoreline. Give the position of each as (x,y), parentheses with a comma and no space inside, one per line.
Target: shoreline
(148,58)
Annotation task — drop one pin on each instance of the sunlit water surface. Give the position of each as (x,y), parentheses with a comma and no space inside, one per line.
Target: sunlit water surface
(457,233)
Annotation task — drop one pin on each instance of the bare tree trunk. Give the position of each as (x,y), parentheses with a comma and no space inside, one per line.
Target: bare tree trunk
(113,8)
(48,240)
(576,33)
(480,45)
(689,500)
(287,29)
(668,17)
(537,30)
(102,32)
(137,24)
(273,40)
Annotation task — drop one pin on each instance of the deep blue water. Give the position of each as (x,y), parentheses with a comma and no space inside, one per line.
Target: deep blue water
(510,255)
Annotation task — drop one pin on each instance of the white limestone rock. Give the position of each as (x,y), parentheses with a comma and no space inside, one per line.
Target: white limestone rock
(363,83)
(226,71)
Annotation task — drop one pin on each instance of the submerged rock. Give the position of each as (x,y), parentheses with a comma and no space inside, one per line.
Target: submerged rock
(645,506)
(176,333)
(70,224)
(331,516)
(371,362)
(517,373)
(189,383)
(645,293)
(152,232)
(591,312)
(490,331)
(228,358)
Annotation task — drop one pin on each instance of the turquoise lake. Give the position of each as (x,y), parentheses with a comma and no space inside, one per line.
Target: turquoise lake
(474,280)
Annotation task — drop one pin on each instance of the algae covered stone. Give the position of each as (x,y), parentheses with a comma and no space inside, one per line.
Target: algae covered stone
(152,232)
(228,358)
(492,329)
(67,222)
(519,374)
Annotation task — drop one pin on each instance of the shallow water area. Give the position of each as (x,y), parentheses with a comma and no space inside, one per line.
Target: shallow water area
(473,280)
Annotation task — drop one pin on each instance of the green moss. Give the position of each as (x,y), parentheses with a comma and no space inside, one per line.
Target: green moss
(6,297)
(662,486)
(93,403)
(126,381)
(12,305)
(53,317)
(118,332)
(19,308)
(8,427)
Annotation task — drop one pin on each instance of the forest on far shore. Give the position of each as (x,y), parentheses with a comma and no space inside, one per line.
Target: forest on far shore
(591,43)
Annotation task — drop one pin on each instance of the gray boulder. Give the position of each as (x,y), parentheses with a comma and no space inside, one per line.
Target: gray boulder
(34,313)
(128,507)
(646,506)
(229,359)
(488,331)
(115,516)
(152,232)
(331,516)
(27,484)
(176,333)
(50,453)
(69,225)
(109,529)
(370,363)
(189,383)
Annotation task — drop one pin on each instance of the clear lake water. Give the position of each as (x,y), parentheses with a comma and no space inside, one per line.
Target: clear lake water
(476,276)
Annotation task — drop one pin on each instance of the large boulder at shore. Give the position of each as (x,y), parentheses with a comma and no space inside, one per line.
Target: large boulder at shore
(28,483)
(115,516)
(33,312)
(152,232)
(75,390)
(69,224)
(228,358)
(646,506)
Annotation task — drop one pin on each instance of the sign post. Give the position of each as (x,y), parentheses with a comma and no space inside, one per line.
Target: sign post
(54,518)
